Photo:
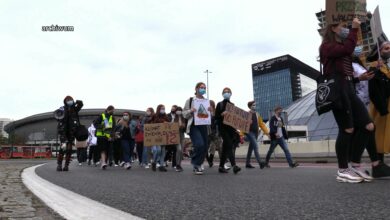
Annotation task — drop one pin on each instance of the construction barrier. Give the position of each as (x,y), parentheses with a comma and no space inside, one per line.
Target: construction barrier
(26,152)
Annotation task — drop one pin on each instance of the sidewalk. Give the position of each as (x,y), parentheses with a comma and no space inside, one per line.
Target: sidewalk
(16,201)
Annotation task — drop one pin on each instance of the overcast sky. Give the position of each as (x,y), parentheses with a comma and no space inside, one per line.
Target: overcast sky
(136,54)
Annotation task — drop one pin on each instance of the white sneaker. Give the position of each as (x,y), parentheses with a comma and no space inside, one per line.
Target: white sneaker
(122,164)
(127,166)
(202,167)
(104,166)
(348,176)
(362,173)
(226,167)
(80,164)
(157,165)
(147,166)
(116,165)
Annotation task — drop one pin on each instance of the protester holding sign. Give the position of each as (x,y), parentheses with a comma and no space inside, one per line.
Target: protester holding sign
(336,51)
(148,119)
(227,132)
(198,133)
(159,151)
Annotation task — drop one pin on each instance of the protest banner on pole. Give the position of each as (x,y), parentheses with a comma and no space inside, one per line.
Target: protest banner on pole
(345,10)
(202,115)
(161,134)
(237,118)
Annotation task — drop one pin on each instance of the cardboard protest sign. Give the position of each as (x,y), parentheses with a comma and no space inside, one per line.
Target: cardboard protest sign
(161,134)
(345,10)
(202,115)
(237,118)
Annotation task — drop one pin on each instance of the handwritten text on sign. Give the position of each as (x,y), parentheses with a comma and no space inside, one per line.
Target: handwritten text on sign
(237,118)
(161,134)
(345,10)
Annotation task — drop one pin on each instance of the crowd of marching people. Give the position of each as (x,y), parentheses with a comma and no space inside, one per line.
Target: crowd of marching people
(361,113)
(120,142)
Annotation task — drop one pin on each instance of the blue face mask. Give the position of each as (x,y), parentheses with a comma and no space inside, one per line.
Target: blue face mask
(343,34)
(201,91)
(358,51)
(226,95)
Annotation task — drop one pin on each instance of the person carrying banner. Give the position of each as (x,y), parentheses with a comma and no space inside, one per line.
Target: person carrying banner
(198,133)
(228,133)
(159,151)
(336,51)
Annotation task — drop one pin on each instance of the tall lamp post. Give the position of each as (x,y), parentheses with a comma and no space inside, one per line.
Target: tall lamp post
(207,74)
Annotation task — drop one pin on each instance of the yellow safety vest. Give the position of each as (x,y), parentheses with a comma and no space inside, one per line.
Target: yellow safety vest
(102,131)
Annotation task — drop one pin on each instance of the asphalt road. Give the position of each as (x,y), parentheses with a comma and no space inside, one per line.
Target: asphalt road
(274,193)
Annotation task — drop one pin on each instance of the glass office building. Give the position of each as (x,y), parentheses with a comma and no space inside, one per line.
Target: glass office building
(277,82)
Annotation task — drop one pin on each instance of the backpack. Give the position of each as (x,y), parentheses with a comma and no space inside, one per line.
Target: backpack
(186,120)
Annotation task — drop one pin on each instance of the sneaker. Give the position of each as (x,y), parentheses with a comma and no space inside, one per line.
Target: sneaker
(249,166)
(226,167)
(80,164)
(293,165)
(157,165)
(363,173)
(381,170)
(178,168)
(104,166)
(122,163)
(198,171)
(202,167)
(147,166)
(348,176)
(162,169)
(116,165)
(222,170)
(66,168)
(154,166)
(236,169)
(127,166)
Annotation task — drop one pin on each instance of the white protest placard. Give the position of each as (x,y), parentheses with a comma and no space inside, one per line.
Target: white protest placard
(202,115)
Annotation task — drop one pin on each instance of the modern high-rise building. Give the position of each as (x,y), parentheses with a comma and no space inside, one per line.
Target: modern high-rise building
(280,81)
(371,29)
(3,123)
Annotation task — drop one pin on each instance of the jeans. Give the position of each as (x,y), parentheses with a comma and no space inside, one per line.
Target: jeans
(145,155)
(199,139)
(252,147)
(284,147)
(158,154)
(126,150)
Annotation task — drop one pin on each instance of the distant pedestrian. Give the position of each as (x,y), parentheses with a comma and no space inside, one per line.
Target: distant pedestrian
(93,155)
(252,136)
(123,129)
(279,136)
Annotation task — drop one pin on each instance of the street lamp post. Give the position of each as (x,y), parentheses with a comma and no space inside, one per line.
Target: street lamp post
(207,74)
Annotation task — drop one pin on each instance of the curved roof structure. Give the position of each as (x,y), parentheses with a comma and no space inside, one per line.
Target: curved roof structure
(303,112)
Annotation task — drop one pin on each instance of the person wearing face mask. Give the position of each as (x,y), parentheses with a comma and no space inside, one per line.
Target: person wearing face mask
(123,128)
(379,91)
(229,134)
(279,136)
(105,133)
(177,155)
(159,151)
(198,133)
(148,119)
(336,51)
(171,149)
(67,126)
(257,121)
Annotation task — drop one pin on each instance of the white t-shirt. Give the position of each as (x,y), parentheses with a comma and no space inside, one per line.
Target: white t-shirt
(279,130)
(362,86)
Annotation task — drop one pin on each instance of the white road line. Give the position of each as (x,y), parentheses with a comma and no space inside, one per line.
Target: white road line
(68,204)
